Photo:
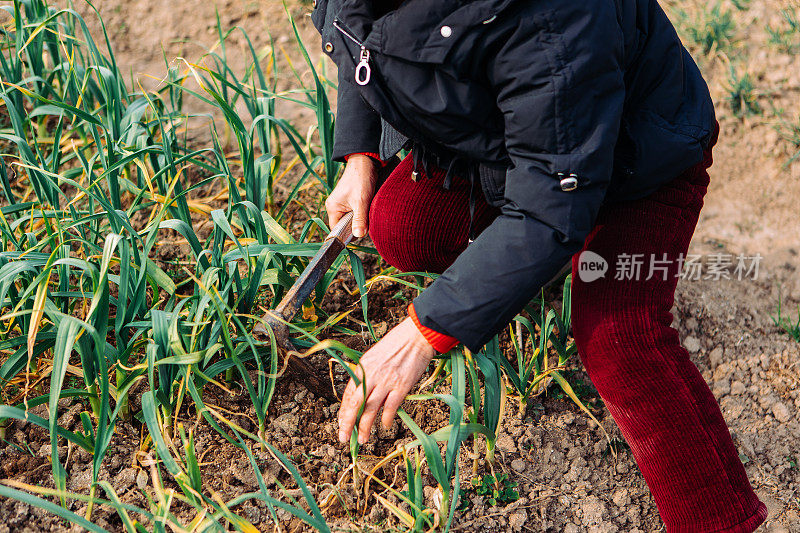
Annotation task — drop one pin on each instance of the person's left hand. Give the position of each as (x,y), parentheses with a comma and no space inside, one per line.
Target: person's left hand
(391,367)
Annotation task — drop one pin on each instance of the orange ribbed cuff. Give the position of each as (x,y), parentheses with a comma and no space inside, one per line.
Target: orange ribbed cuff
(373,155)
(441,343)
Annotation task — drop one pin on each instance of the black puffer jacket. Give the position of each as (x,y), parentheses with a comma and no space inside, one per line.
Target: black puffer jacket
(561,106)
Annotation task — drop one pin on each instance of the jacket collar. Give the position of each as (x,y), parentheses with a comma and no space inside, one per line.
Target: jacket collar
(414,31)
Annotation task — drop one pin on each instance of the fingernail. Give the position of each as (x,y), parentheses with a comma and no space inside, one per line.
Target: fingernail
(342,436)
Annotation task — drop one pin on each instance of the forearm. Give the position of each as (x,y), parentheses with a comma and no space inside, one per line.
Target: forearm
(493,279)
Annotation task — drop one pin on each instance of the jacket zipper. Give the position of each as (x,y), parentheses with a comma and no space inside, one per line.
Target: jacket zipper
(363,70)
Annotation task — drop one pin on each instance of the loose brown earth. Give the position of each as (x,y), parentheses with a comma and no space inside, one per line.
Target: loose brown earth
(567,478)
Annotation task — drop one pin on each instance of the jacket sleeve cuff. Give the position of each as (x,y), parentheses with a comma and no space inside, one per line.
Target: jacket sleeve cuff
(441,343)
(358,127)
(376,157)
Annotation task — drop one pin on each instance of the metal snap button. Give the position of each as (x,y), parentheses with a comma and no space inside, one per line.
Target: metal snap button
(446,31)
(329,47)
(569,183)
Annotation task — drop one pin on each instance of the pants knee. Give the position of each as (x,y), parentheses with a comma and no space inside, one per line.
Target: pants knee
(407,239)
(417,225)
(611,344)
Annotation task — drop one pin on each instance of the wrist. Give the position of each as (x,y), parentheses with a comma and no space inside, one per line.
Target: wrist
(438,341)
(417,338)
(361,170)
(364,157)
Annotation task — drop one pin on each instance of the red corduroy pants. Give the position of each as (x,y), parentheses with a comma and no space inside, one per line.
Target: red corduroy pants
(623,331)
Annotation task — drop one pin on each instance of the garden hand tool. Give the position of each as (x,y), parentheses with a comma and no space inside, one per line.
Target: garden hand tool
(279,317)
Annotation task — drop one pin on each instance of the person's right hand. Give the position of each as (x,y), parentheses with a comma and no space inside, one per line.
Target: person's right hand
(354,193)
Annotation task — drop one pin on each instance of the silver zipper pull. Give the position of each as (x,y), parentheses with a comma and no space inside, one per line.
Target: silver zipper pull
(363,70)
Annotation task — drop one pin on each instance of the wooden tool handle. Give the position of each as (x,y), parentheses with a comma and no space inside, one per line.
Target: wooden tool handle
(333,245)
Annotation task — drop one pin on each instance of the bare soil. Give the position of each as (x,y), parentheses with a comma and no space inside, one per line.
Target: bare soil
(567,479)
